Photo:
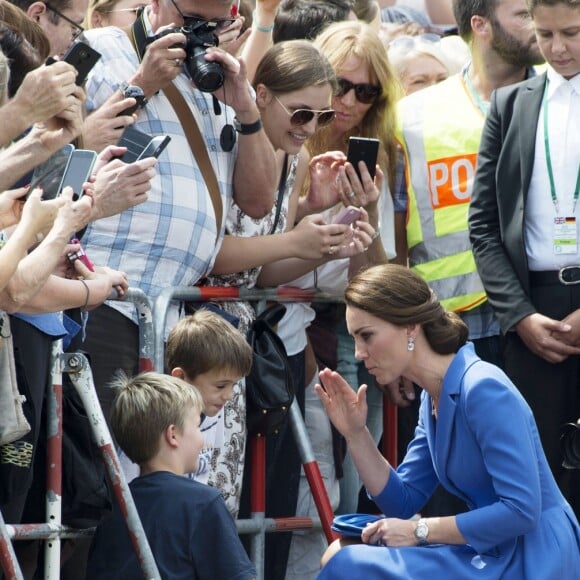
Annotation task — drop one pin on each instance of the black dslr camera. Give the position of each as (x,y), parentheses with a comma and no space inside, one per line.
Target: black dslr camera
(570,444)
(199,35)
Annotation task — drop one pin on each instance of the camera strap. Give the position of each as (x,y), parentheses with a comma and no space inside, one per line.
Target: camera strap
(138,36)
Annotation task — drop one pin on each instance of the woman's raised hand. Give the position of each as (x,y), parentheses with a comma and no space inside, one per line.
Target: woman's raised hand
(346,409)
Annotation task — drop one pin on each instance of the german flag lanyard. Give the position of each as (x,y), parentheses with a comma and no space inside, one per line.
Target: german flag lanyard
(565,229)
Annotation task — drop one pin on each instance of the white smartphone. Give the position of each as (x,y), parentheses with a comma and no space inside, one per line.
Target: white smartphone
(347,215)
(79,170)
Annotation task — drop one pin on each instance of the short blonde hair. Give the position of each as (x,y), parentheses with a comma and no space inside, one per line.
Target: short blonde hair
(205,342)
(145,406)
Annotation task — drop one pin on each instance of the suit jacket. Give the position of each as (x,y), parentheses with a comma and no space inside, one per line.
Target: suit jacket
(496,213)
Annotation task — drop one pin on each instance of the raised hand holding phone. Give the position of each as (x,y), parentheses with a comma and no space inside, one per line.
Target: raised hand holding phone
(82,57)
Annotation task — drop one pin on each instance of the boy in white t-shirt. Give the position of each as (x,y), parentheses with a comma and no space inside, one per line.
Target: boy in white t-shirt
(206,351)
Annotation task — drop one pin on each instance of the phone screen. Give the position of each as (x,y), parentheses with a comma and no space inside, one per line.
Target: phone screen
(49,174)
(363,149)
(79,170)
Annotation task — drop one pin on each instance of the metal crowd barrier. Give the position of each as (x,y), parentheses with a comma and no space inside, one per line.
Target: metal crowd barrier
(152,321)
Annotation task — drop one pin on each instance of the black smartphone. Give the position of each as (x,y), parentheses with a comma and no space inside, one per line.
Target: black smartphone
(140,144)
(155,146)
(49,175)
(79,170)
(82,57)
(363,149)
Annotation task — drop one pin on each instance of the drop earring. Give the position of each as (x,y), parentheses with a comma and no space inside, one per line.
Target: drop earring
(410,344)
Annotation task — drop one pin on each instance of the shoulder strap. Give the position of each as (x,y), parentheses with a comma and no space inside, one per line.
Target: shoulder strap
(281,192)
(198,149)
(138,37)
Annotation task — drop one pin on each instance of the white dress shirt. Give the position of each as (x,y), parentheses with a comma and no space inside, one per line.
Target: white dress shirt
(564,144)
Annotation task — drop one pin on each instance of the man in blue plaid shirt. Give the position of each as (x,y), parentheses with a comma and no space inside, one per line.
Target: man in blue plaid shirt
(170,239)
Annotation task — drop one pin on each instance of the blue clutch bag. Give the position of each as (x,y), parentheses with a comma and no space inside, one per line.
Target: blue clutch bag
(353,524)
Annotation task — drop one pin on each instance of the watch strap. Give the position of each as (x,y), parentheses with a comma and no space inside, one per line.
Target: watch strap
(249,128)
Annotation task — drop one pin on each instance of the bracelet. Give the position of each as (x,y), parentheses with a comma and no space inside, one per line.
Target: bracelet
(88,294)
(257,26)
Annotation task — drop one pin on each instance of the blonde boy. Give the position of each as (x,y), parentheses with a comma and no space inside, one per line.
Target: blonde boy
(206,351)
(156,421)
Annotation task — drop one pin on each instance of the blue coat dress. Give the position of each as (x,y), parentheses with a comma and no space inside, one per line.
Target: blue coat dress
(485,448)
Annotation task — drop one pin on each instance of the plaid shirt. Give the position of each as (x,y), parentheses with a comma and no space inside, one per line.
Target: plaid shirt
(170,239)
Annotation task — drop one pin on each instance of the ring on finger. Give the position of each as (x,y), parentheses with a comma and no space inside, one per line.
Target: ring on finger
(331,250)
(351,195)
(177,62)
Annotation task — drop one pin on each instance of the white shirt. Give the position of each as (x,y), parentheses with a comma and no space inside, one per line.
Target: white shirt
(564,145)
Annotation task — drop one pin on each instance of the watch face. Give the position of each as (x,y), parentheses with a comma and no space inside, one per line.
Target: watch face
(421,532)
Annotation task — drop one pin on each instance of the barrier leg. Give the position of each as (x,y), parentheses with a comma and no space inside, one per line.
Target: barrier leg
(78,368)
(390,436)
(258,502)
(54,464)
(8,559)
(312,471)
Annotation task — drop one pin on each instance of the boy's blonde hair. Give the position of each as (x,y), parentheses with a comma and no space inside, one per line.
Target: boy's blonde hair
(145,406)
(205,342)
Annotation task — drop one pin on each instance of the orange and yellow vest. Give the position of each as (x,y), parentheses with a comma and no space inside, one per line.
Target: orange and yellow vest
(440,130)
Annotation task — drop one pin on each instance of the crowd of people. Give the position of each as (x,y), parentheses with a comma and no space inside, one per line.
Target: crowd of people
(473,331)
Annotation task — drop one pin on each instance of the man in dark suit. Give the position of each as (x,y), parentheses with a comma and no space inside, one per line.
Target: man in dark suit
(523,227)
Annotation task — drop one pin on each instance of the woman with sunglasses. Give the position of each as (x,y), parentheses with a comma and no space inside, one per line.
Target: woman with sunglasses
(365,106)
(294,84)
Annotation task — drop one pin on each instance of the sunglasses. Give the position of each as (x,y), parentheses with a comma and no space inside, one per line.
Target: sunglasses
(408,42)
(304,116)
(364,93)
(216,25)
(76,29)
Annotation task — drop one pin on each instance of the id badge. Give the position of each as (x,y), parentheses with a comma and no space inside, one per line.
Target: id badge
(565,235)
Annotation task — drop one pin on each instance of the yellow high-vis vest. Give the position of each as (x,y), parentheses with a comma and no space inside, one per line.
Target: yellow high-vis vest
(440,130)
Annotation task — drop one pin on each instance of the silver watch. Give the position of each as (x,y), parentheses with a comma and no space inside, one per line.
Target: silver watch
(422,532)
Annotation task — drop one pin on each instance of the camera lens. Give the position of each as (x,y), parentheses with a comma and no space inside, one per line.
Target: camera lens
(207,76)
(570,445)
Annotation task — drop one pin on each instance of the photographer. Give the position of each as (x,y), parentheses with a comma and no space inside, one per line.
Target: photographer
(172,238)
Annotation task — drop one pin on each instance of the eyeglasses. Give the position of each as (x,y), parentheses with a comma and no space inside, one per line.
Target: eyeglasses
(364,93)
(216,25)
(408,42)
(77,29)
(303,116)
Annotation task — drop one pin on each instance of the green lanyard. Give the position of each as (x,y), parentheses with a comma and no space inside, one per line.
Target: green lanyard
(549,159)
(481,104)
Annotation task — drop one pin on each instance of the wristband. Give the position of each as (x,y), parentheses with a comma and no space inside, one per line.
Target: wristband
(257,26)
(84,307)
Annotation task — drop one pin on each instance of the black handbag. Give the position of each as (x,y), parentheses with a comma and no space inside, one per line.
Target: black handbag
(269,387)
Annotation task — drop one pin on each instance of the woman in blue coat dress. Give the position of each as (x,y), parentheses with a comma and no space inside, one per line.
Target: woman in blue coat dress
(476,436)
